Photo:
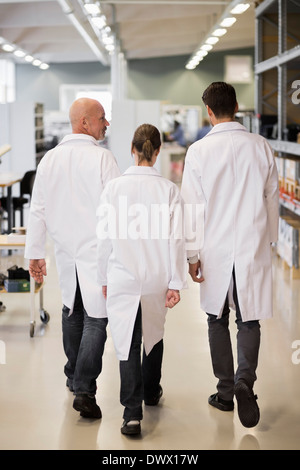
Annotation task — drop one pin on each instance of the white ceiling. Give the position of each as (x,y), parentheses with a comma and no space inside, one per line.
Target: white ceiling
(146,28)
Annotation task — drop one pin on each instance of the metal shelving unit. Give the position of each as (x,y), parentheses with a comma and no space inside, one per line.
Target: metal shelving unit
(277,102)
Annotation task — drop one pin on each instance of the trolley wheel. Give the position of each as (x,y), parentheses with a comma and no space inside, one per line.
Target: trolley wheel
(32,327)
(45,317)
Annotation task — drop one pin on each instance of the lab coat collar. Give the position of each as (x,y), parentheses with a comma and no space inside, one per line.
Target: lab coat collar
(141,170)
(227,126)
(86,137)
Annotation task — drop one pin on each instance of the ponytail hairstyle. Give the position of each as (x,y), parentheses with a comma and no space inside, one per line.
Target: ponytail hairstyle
(146,140)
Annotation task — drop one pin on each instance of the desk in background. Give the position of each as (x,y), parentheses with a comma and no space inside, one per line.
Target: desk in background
(6,244)
(7,180)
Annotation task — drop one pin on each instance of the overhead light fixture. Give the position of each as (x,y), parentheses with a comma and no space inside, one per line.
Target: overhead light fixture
(201,53)
(219,32)
(240,8)
(99,21)
(19,53)
(36,62)
(92,8)
(8,47)
(212,40)
(227,22)
(219,29)
(206,47)
(44,66)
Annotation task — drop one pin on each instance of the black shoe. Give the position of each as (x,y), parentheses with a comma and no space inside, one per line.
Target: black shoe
(154,401)
(69,384)
(131,428)
(248,409)
(87,406)
(223,405)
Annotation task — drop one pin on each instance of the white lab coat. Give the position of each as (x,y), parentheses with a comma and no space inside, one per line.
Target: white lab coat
(69,181)
(232,174)
(144,257)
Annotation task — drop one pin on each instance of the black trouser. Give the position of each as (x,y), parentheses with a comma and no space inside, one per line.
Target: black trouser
(84,338)
(248,343)
(138,380)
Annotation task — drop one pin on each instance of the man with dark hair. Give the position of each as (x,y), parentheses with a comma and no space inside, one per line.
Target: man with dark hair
(231,174)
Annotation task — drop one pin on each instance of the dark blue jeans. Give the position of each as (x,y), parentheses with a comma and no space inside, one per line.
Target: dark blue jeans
(84,338)
(139,380)
(248,343)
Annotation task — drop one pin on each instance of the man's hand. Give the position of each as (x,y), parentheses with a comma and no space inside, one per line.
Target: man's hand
(172,298)
(195,272)
(37,270)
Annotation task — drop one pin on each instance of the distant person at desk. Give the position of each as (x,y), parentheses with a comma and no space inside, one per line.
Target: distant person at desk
(69,182)
(206,127)
(178,134)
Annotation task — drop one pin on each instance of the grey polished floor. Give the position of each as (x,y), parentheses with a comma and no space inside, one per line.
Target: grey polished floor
(36,407)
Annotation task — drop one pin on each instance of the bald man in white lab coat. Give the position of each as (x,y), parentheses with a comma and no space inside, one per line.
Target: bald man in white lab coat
(69,181)
(231,174)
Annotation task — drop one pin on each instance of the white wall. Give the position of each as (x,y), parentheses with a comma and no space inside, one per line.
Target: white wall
(127,115)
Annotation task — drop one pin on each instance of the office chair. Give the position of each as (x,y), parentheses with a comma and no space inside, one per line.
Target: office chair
(18,202)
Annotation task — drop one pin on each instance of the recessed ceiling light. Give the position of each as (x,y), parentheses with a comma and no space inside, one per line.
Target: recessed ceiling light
(8,47)
(240,8)
(212,40)
(206,47)
(219,32)
(99,21)
(227,22)
(92,8)
(19,53)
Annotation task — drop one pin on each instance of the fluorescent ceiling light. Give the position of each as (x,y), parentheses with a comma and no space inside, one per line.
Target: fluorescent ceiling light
(37,62)
(201,53)
(28,58)
(8,47)
(212,40)
(110,47)
(219,32)
(206,47)
(240,8)
(19,53)
(44,66)
(92,8)
(108,40)
(99,21)
(227,22)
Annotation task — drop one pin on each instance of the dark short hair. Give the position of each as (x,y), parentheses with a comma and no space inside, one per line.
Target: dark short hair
(221,98)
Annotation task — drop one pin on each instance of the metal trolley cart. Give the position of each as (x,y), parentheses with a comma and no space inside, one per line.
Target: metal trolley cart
(6,244)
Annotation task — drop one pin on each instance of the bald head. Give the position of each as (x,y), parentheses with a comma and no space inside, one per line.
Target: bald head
(87,116)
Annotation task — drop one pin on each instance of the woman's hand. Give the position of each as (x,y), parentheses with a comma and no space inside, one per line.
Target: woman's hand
(172,298)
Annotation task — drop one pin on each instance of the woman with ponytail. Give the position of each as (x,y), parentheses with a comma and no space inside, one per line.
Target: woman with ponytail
(142,268)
